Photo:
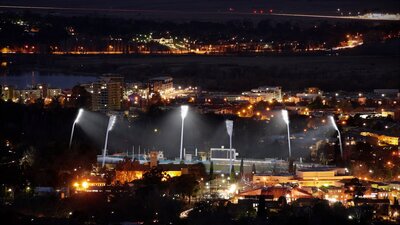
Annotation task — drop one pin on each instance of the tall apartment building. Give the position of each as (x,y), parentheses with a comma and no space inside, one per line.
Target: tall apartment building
(107,93)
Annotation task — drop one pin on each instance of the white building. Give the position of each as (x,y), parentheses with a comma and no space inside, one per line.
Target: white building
(264,93)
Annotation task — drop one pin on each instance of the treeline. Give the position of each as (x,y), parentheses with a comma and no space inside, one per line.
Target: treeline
(34,145)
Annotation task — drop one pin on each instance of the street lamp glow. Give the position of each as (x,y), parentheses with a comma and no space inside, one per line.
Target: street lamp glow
(232,189)
(285,116)
(229,130)
(333,122)
(85,184)
(339,136)
(78,117)
(111,123)
(184,111)
(229,127)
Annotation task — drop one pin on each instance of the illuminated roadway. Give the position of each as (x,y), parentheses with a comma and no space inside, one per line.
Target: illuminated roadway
(172,12)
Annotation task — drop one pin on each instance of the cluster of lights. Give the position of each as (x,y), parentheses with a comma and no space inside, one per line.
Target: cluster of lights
(83,185)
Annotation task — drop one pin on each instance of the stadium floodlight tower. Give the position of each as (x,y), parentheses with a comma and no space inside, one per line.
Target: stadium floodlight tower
(111,123)
(285,116)
(184,111)
(229,129)
(78,117)
(339,136)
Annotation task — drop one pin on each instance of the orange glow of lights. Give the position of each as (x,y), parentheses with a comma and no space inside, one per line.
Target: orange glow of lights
(85,184)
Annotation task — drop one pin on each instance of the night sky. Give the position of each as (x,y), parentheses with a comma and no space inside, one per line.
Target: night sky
(222,6)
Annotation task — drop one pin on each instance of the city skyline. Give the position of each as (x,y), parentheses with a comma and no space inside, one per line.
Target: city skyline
(200,112)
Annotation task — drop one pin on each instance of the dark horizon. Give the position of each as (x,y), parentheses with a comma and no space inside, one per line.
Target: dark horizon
(203,10)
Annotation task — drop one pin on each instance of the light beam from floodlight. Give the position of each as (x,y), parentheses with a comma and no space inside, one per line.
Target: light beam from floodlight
(184,111)
(285,116)
(111,123)
(229,129)
(339,136)
(80,112)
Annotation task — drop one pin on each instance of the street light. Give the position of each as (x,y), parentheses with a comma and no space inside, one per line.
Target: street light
(80,112)
(229,129)
(111,122)
(184,111)
(339,136)
(285,116)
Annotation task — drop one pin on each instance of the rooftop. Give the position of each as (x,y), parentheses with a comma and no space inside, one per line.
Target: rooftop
(161,78)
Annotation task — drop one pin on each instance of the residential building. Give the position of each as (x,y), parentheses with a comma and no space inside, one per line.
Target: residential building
(107,93)
(160,84)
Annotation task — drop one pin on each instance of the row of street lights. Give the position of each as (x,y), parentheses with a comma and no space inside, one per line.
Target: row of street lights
(111,122)
(184,112)
(285,116)
(229,129)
